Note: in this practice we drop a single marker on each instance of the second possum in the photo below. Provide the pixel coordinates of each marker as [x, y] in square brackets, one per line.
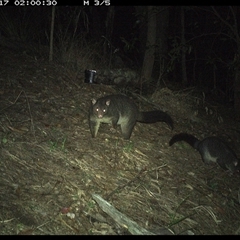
[211, 149]
[121, 110]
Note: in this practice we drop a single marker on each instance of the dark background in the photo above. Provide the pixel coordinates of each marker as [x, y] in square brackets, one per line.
[211, 45]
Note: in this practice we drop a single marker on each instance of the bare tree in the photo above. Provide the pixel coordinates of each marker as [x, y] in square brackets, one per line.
[162, 43]
[149, 57]
[183, 43]
[51, 35]
[109, 30]
[234, 35]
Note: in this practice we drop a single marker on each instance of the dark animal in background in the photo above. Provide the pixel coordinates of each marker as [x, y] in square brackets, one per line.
[212, 149]
[121, 110]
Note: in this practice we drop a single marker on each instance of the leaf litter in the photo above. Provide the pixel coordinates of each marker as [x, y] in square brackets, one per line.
[51, 167]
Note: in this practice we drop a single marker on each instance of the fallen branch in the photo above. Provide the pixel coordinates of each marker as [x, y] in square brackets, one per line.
[120, 218]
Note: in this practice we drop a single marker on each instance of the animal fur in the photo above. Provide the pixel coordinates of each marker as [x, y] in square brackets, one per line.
[212, 149]
[121, 110]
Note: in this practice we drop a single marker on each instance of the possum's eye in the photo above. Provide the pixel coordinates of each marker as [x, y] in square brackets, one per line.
[97, 109]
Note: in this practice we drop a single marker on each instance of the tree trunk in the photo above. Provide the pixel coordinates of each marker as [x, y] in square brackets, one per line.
[233, 27]
[109, 29]
[237, 93]
[51, 35]
[235, 11]
[183, 43]
[162, 43]
[149, 57]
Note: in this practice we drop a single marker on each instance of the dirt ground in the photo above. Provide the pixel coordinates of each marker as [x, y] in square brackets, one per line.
[51, 167]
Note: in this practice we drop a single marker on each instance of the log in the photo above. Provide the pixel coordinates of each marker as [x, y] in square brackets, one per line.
[120, 218]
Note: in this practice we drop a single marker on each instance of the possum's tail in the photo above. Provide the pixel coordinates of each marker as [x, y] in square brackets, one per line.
[155, 116]
[188, 138]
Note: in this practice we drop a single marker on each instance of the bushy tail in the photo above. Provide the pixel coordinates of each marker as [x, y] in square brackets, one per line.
[188, 138]
[155, 116]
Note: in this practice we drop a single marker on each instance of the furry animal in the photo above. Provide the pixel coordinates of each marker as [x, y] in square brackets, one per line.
[121, 110]
[212, 149]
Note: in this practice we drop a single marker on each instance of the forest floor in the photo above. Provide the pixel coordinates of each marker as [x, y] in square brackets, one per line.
[51, 167]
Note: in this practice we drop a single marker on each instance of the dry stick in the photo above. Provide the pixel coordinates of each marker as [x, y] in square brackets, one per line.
[126, 184]
[12, 103]
[29, 110]
[131, 181]
[120, 218]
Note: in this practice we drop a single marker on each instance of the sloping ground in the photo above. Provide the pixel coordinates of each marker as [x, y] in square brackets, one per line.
[50, 166]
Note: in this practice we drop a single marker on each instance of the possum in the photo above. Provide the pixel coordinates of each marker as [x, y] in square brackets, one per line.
[211, 149]
[121, 110]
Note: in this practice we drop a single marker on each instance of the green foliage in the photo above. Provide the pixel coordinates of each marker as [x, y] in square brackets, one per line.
[175, 218]
[128, 147]
[4, 140]
[20, 227]
[213, 185]
[55, 145]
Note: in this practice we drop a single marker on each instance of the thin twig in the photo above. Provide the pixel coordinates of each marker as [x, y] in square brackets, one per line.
[30, 113]
[126, 184]
[12, 103]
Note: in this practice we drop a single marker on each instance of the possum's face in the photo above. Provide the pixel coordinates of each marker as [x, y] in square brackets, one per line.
[100, 109]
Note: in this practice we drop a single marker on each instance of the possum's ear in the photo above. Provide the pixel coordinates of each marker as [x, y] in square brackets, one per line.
[108, 102]
[94, 101]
